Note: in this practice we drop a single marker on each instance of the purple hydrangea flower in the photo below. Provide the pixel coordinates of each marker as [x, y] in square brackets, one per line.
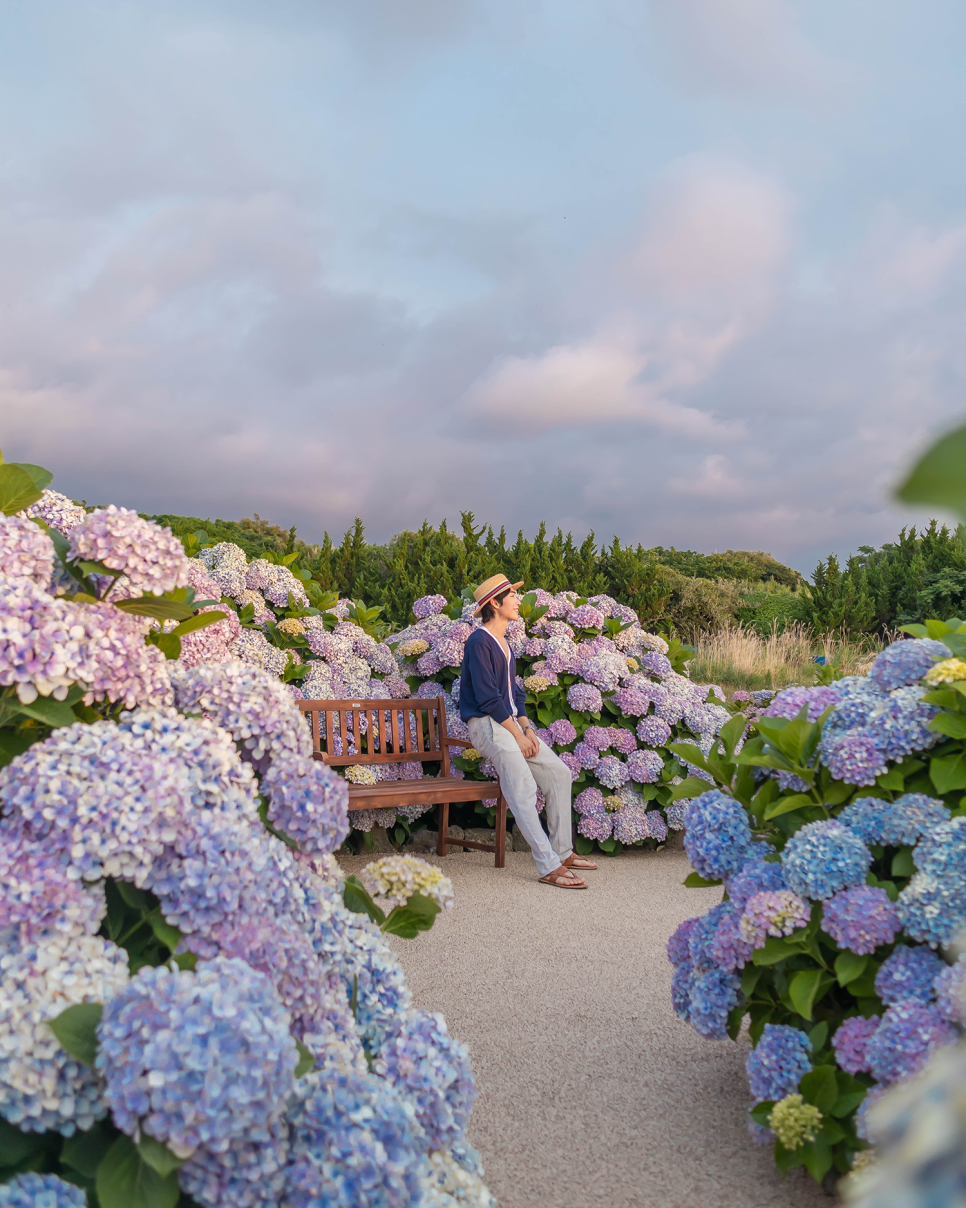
[950, 987]
[584, 698]
[598, 737]
[26, 552]
[432, 1070]
[861, 919]
[585, 617]
[906, 662]
[562, 732]
[908, 974]
[644, 767]
[853, 757]
[901, 1044]
[568, 759]
[717, 838]
[790, 702]
[631, 824]
[824, 857]
[596, 826]
[679, 945]
[778, 1062]
[196, 1058]
[586, 755]
[713, 994]
[150, 559]
[772, 912]
[622, 741]
[589, 801]
[611, 771]
[657, 824]
[632, 701]
[656, 663]
[729, 950]
[428, 606]
[56, 511]
[851, 1041]
[309, 802]
[653, 731]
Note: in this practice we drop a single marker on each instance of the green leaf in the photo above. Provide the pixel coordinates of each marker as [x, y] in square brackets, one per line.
[17, 1146]
[775, 950]
[136, 898]
[157, 607]
[749, 979]
[731, 733]
[75, 1028]
[893, 781]
[849, 966]
[125, 1180]
[306, 1059]
[201, 621]
[902, 863]
[158, 1156]
[691, 754]
[846, 1104]
[761, 1111]
[38, 475]
[169, 935]
[417, 915]
[819, 1088]
[953, 724]
[948, 772]
[938, 478]
[817, 1158]
[818, 1036]
[14, 743]
[694, 880]
[357, 899]
[168, 643]
[185, 961]
[55, 713]
[692, 787]
[17, 489]
[784, 805]
[804, 988]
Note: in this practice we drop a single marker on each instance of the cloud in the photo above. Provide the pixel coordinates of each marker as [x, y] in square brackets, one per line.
[749, 47]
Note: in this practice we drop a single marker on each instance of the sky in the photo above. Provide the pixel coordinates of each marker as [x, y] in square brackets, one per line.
[690, 272]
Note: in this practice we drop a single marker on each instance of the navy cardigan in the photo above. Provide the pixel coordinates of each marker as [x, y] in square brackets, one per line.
[483, 680]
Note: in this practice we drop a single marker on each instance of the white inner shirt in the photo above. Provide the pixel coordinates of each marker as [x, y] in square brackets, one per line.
[506, 655]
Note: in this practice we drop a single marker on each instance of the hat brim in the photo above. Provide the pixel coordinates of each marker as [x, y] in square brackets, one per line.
[509, 587]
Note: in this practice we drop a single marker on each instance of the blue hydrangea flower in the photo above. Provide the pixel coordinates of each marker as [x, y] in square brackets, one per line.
[717, 837]
[702, 937]
[896, 823]
[355, 1144]
[713, 994]
[900, 725]
[754, 877]
[789, 702]
[824, 857]
[196, 1058]
[902, 1042]
[679, 945]
[908, 973]
[681, 982]
[861, 919]
[729, 949]
[432, 1070]
[245, 1174]
[777, 1063]
[851, 1042]
[950, 987]
[41, 1191]
[932, 907]
[905, 662]
[309, 802]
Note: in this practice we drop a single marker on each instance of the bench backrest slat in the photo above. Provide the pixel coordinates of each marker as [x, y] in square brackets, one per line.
[391, 731]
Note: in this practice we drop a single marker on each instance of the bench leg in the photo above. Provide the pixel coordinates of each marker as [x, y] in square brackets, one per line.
[443, 828]
[499, 860]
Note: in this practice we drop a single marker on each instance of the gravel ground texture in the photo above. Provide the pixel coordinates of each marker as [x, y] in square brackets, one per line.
[591, 1091]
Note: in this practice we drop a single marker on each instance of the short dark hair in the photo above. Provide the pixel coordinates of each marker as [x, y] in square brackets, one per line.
[486, 612]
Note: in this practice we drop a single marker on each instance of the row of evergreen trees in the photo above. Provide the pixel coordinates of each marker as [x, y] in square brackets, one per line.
[440, 560]
[919, 575]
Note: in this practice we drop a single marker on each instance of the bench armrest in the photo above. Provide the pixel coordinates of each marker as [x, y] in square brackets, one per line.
[457, 742]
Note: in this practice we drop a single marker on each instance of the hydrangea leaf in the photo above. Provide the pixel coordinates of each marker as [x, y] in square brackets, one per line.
[76, 1029]
[357, 899]
[805, 988]
[38, 475]
[169, 935]
[306, 1059]
[951, 724]
[761, 1111]
[16, 1146]
[692, 787]
[937, 478]
[849, 966]
[417, 915]
[784, 805]
[948, 772]
[157, 607]
[158, 1156]
[775, 950]
[17, 489]
[694, 880]
[820, 1088]
[125, 1180]
[51, 712]
[902, 863]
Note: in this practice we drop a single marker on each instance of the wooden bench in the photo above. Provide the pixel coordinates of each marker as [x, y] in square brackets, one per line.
[401, 731]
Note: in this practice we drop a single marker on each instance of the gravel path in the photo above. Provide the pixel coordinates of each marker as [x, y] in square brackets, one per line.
[591, 1092]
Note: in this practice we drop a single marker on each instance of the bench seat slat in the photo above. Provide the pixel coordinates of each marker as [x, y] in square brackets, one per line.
[420, 792]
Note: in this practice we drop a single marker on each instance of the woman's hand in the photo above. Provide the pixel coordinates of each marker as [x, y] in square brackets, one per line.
[529, 744]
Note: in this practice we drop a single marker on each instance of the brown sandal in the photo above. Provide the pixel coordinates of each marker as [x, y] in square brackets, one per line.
[576, 861]
[563, 882]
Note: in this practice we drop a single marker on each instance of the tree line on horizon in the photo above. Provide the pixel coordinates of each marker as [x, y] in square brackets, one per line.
[875, 590]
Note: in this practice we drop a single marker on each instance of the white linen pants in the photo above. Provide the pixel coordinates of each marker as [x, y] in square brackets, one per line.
[519, 780]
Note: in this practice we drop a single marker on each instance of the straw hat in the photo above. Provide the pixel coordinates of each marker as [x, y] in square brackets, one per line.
[491, 587]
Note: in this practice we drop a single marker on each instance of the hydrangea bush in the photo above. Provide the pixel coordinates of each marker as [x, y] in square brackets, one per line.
[606, 695]
[194, 1008]
[839, 833]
